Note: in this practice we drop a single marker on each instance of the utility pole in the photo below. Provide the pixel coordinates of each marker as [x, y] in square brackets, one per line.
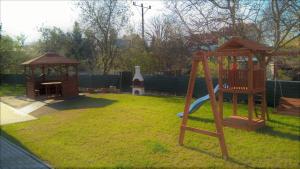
[147, 8]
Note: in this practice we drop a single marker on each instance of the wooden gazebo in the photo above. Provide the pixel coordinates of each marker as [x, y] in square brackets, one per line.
[51, 75]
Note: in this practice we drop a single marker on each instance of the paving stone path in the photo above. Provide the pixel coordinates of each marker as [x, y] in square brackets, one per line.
[14, 157]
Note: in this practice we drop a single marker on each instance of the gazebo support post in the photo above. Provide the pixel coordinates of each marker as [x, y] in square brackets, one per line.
[26, 78]
[43, 71]
[67, 71]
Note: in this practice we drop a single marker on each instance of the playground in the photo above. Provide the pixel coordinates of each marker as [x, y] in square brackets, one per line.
[130, 131]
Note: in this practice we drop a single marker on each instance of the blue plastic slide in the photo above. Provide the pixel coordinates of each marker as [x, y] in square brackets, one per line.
[198, 103]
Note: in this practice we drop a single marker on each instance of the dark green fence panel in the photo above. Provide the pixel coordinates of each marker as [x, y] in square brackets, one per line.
[99, 81]
[283, 89]
[182, 85]
[12, 78]
[161, 84]
[126, 81]
[176, 85]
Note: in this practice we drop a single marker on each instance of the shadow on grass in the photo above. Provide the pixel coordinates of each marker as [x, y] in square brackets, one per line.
[218, 156]
[205, 120]
[81, 102]
[285, 124]
[167, 98]
[267, 130]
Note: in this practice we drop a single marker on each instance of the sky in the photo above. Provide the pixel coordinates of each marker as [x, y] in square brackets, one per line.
[26, 16]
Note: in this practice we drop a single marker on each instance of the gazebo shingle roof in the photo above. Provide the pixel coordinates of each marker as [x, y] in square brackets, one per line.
[50, 58]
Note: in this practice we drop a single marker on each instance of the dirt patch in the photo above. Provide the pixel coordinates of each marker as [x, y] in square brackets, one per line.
[43, 111]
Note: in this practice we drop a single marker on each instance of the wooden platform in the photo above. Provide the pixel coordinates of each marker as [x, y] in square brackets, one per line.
[289, 106]
[243, 123]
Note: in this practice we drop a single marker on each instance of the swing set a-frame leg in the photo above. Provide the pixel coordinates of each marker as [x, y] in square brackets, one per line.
[218, 121]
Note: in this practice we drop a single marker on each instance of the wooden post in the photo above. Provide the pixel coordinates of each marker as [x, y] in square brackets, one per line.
[213, 104]
[26, 78]
[264, 107]
[33, 81]
[234, 95]
[43, 71]
[76, 76]
[220, 81]
[67, 72]
[188, 100]
[250, 88]
[234, 103]
[60, 73]
[32, 74]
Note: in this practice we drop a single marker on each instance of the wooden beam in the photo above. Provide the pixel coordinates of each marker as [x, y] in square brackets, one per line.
[218, 122]
[43, 72]
[238, 52]
[250, 88]
[220, 81]
[264, 107]
[188, 100]
[234, 103]
[32, 74]
[201, 131]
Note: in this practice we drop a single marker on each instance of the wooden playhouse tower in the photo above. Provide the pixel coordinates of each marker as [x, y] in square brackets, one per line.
[242, 71]
[246, 77]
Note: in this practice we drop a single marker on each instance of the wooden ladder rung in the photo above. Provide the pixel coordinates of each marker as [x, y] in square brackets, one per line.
[201, 131]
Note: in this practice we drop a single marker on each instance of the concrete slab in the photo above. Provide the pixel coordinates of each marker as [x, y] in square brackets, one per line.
[9, 115]
[16, 101]
[30, 108]
[14, 109]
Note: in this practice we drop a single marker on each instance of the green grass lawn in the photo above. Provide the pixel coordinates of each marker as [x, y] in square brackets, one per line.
[11, 90]
[121, 130]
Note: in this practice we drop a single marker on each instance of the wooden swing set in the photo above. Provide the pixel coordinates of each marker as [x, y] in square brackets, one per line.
[244, 73]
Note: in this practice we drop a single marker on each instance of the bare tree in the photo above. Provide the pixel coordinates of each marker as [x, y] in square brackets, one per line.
[217, 16]
[168, 44]
[104, 19]
[281, 19]
[274, 22]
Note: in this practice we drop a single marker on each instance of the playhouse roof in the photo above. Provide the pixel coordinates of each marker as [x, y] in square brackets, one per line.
[50, 58]
[239, 43]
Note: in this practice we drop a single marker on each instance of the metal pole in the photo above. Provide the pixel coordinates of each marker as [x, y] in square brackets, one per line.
[143, 12]
[143, 35]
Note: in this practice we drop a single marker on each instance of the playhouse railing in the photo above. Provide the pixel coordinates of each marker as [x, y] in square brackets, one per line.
[237, 80]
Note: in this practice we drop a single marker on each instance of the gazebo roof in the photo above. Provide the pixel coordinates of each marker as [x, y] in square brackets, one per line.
[239, 43]
[50, 58]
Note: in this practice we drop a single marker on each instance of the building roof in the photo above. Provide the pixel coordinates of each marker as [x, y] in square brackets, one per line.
[50, 58]
[239, 43]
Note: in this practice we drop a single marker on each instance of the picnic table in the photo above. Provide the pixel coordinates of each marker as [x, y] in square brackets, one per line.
[48, 85]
